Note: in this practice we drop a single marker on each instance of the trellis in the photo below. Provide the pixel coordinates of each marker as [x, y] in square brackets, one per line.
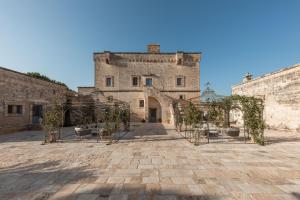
[195, 117]
[111, 115]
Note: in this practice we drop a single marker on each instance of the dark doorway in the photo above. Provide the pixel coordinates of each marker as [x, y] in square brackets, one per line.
[37, 114]
[152, 114]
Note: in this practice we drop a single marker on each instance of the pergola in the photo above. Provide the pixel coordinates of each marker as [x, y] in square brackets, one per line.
[86, 114]
[208, 119]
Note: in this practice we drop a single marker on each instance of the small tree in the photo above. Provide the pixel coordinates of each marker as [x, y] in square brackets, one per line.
[178, 116]
[192, 115]
[125, 117]
[53, 119]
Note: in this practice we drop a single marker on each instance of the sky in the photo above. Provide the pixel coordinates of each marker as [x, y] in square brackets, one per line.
[58, 37]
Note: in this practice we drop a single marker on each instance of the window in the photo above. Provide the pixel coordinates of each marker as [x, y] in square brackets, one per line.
[109, 81]
[10, 109]
[15, 109]
[180, 81]
[110, 98]
[135, 81]
[179, 61]
[19, 109]
[37, 113]
[148, 81]
[142, 103]
[181, 96]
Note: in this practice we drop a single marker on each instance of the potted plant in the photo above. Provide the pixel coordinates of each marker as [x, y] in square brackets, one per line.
[52, 122]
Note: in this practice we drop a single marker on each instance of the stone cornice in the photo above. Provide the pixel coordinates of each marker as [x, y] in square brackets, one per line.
[268, 76]
[109, 57]
[143, 91]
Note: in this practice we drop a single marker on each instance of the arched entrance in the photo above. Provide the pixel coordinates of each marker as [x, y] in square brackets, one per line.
[154, 110]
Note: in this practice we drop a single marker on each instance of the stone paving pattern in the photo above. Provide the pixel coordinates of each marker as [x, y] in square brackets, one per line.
[151, 162]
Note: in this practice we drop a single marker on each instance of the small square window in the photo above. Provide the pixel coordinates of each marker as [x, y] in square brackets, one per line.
[135, 81]
[180, 81]
[110, 98]
[19, 109]
[142, 103]
[148, 81]
[181, 96]
[10, 109]
[109, 81]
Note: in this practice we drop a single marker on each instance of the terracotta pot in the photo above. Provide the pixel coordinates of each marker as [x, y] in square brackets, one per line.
[52, 136]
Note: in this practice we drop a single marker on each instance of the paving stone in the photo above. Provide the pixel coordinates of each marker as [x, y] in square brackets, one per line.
[115, 180]
[87, 197]
[86, 188]
[147, 180]
[153, 166]
[118, 197]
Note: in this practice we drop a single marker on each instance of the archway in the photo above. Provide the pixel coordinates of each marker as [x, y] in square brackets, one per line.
[154, 110]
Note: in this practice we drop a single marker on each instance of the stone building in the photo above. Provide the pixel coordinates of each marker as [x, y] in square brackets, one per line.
[22, 98]
[281, 93]
[148, 81]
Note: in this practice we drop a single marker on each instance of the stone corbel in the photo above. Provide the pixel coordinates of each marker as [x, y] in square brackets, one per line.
[197, 58]
[179, 58]
[107, 56]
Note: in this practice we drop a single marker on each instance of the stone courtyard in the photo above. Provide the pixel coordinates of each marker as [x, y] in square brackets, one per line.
[152, 161]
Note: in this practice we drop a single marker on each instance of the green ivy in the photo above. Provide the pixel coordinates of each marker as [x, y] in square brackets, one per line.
[252, 109]
[45, 78]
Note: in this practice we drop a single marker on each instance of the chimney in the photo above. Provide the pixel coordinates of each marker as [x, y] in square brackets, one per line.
[248, 77]
[153, 48]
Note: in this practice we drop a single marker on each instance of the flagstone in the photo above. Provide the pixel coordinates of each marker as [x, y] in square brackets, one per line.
[115, 180]
[147, 180]
[87, 197]
[147, 168]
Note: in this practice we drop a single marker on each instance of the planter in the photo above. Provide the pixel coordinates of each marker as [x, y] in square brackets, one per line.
[233, 131]
[105, 134]
[82, 131]
[52, 136]
[252, 139]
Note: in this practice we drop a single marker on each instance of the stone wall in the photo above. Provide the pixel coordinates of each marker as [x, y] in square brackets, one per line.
[163, 68]
[281, 91]
[20, 89]
[86, 90]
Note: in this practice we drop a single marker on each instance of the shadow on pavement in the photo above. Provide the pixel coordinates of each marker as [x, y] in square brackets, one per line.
[37, 181]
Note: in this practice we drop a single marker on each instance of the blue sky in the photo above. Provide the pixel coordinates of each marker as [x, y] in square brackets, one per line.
[58, 37]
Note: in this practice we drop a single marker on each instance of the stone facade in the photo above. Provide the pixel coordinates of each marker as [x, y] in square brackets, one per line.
[148, 81]
[281, 93]
[22, 98]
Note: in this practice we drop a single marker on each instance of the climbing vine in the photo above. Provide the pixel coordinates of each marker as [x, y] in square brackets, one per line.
[218, 112]
[252, 109]
[192, 114]
[178, 118]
